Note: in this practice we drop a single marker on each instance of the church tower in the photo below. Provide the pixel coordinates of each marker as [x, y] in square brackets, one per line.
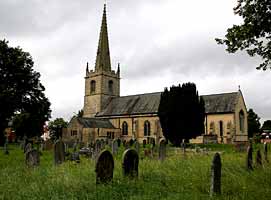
[102, 83]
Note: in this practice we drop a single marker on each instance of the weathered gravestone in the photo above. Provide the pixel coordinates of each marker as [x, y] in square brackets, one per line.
[74, 146]
[259, 158]
[131, 142]
[59, 152]
[137, 147]
[32, 158]
[104, 167]
[265, 152]
[162, 149]
[48, 145]
[216, 175]
[144, 143]
[249, 160]
[115, 147]
[28, 147]
[102, 144]
[130, 161]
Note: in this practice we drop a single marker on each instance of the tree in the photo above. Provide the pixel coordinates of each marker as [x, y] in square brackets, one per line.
[266, 125]
[253, 123]
[181, 112]
[55, 128]
[254, 34]
[21, 90]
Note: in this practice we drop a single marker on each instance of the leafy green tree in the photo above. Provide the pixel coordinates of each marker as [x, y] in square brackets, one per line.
[181, 113]
[254, 34]
[21, 90]
[55, 128]
[266, 125]
[254, 124]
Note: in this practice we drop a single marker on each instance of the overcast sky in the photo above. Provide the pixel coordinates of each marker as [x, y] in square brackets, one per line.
[157, 42]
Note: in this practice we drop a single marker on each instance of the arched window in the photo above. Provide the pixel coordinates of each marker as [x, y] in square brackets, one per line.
[147, 128]
[92, 86]
[241, 120]
[124, 128]
[110, 87]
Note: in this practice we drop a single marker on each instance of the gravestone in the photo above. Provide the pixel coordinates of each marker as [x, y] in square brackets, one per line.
[127, 145]
[137, 147]
[162, 149]
[216, 175]
[130, 161]
[75, 157]
[144, 143]
[32, 158]
[6, 148]
[28, 147]
[259, 158]
[104, 167]
[131, 142]
[249, 163]
[48, 145]
[59, 152]
[102, 144]
[74, 146]
[98, 147]
[265, 152]
[124, 143]
[42, 146]
[115, 147]
[119, 142]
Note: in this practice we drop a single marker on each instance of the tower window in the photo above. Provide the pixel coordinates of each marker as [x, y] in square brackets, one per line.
[147, 128]
[92, 86]
[124, 128]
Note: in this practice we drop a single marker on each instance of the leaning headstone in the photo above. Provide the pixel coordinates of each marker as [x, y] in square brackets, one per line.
[216, 175]
[144, 143]
[104, 167]
[259, 158]
[28, 147]
[115, 147]
[130, 161]
[249, 163]
[162, 149]
[265, 152]
[137, 147]
[59, 152]
[32, 158]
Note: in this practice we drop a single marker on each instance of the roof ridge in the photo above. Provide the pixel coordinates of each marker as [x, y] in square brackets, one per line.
[217, 94]
[139, 94]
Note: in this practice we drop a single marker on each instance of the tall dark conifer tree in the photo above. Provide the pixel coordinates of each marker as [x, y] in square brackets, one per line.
[181, 112]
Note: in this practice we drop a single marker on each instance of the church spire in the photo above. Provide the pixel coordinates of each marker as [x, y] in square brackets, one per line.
[103, 62]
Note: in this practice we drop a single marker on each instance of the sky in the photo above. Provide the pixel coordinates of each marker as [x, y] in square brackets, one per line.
[158, 43]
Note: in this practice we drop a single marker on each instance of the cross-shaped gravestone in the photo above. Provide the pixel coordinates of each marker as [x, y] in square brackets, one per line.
[115, 147]
[32, 158]
[162, 149]
[59, 152]
[104, 167]
[130, 161]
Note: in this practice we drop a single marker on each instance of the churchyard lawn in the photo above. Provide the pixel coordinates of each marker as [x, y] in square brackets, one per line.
[178, 177]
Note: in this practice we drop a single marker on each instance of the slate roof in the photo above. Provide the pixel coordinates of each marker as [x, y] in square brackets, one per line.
[132, 105]
[149, 103]
[95, 123]
[220, 103]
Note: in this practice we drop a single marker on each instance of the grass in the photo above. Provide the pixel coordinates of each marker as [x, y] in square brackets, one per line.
[179, 177]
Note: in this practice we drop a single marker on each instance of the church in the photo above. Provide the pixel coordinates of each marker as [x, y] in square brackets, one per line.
[107, 115]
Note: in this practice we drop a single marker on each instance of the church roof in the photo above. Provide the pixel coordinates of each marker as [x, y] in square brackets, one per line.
[94, 123]
[220, 103]
[149, 103]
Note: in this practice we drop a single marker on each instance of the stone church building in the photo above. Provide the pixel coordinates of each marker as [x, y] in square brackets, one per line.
[107, 115]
